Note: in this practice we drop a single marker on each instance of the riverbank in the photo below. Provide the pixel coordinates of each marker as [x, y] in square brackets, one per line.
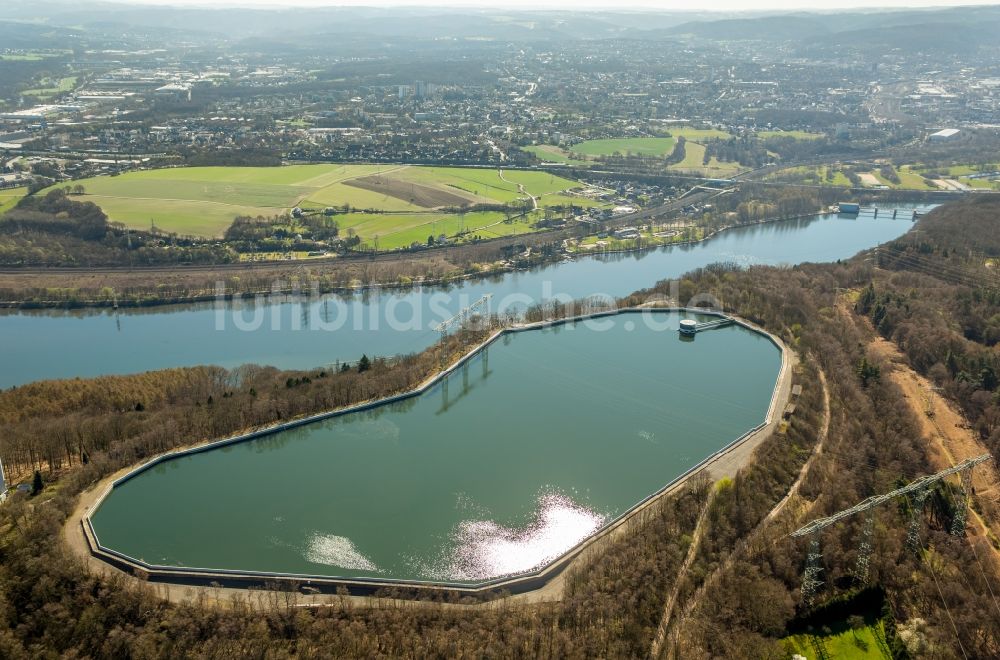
[723, 462]
[162, 286]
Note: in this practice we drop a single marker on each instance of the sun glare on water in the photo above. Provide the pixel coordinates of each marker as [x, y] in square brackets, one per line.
[338, 551]
[483, 549]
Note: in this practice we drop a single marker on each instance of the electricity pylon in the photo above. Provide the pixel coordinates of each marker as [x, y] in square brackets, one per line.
[920, 488]
[460, 319]
[861, 569]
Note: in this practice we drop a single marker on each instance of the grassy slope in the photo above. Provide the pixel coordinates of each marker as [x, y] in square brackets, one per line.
[9, 197]
[839, 178]
[842, 643]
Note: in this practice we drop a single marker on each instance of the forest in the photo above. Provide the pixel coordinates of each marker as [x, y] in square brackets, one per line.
[709, 572]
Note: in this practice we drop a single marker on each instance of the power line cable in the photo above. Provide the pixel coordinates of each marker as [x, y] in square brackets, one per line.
[989, 584]
[947, 609]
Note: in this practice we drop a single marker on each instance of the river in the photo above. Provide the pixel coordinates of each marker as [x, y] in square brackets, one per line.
[304, 333]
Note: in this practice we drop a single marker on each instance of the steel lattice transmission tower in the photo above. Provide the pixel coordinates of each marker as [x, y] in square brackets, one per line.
[958, 522]
[916, 519]
[920, 488]
[861, 569]
[464, 315]
[810, 581]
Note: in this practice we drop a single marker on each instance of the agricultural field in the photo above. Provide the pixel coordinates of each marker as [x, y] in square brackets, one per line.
[9, 197]
[399, 204]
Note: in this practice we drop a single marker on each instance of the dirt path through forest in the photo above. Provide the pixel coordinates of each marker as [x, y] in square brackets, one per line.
[951, 440]
[699, 532]
[657, 649]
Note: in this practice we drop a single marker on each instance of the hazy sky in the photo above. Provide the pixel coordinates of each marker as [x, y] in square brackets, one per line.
[666, 5]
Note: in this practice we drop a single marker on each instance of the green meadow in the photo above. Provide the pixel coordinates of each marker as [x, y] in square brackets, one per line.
[842, 642]
[660, 147]
[639, 146]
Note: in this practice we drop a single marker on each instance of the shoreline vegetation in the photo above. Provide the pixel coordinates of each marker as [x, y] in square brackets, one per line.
[110, 297]
[736, 572]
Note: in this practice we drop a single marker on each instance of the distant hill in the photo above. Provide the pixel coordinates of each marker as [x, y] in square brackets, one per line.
[16, 34]
[784, 27]
[896, 26]
[399, 22]
[964, 38]
[42, 22]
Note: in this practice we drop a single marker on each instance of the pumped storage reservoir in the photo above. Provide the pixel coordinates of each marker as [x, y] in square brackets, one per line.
[528, 449]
